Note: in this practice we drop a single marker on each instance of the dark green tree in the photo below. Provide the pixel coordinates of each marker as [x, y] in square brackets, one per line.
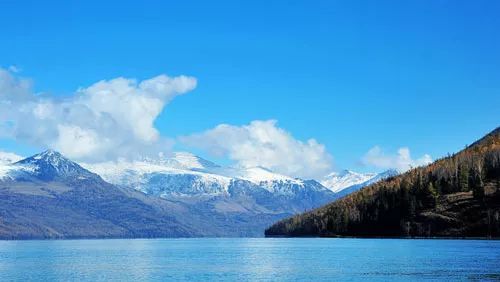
[476, 183]
[463, 179]
[431, 194]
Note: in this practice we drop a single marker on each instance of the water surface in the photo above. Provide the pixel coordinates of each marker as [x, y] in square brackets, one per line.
[245, 259]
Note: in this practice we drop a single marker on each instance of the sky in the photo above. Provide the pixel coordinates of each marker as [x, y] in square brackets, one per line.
[299, 87]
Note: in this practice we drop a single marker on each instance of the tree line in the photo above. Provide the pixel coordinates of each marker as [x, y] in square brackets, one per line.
[458, 195]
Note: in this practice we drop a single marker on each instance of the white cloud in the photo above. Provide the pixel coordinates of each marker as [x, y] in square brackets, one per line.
[401, 160]
[262, 143]
[80, 142]
[109, 119]
[135, 106]
[7, 158]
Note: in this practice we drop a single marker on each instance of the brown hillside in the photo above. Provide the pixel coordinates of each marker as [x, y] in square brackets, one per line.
[457, 196]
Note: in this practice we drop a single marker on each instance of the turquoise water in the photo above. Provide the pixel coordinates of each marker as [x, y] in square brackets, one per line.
[250, 260]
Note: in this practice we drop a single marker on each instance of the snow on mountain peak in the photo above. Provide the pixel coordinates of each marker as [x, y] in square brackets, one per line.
[384, 175]
[391, 172]
[181, 173]
[179, 160]
[337, 181]
[192, 161]
[50, 156]
[183, 168]
[50, 165]
[178, 170]
[258, 175]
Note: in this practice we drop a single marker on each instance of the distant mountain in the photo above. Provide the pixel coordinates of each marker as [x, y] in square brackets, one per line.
[346, 181]
[456, 196]
[376, 178]
[337, 181]
[51, 166]
[183, 174]
[49, 196]
[222, 190]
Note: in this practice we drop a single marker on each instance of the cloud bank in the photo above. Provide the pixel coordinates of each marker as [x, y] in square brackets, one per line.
[109, 119]
[263, 143]
[8, 158]
[114, 119]
[401, 160]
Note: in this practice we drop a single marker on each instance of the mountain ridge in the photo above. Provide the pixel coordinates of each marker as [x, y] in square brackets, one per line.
[456, 196]
[49, 196]
[181, 196]
[114, 172]
[48, 201]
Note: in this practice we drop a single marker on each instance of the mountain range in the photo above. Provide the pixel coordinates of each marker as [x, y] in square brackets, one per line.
[186, 174]
[50, 196]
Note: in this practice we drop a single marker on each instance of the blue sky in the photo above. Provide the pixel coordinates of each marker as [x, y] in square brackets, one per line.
[352, 75]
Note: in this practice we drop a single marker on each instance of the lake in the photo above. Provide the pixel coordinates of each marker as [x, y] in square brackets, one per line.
[255, 259]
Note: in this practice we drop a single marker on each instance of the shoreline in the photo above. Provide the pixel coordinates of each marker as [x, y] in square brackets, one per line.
[392, 237]
[264, 237]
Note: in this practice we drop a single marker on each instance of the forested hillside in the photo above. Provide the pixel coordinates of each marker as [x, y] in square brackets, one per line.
[456, 196]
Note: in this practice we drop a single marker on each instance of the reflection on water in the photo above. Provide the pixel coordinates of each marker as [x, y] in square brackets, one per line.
[249, 259]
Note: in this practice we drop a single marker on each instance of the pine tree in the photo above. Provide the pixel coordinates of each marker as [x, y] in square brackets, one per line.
[476, 184]
[431, 194]
[463, 179]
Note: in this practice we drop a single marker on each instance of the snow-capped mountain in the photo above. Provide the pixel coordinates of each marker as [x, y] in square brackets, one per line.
[181, 174]
[187, 174]
[49, 196]
[184, 174]
[46, 166]
[178, 160]
[383, 175]
[181, 188]
[337, 181]
[273, 182]
[352, 177]
[350, 180]
[51, 165]
[215, 189]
